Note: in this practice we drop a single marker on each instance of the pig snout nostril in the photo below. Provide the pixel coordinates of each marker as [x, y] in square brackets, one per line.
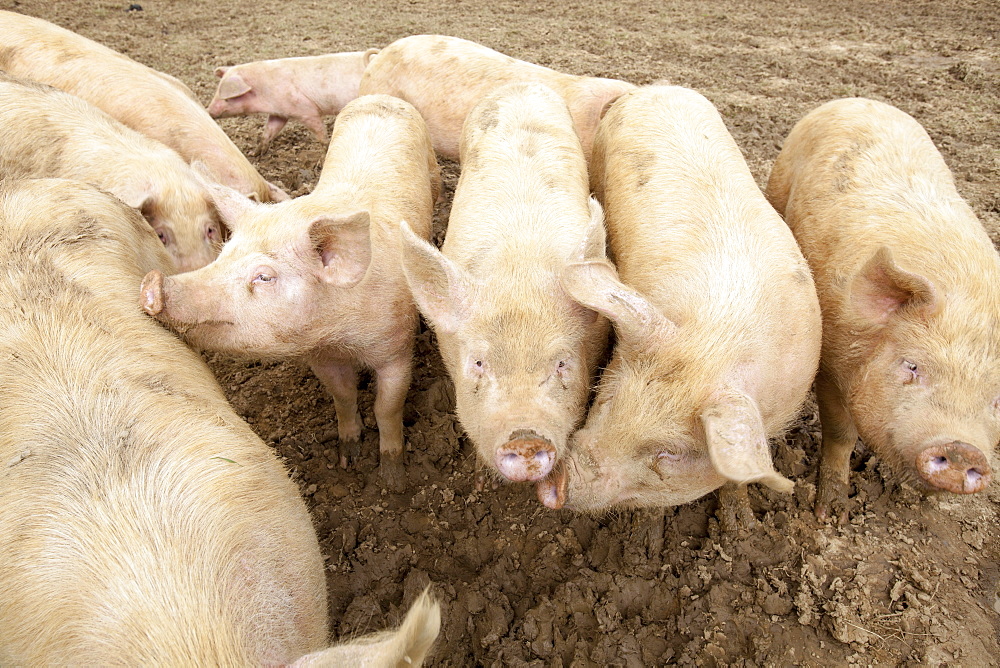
[529, 458]
[954, 467]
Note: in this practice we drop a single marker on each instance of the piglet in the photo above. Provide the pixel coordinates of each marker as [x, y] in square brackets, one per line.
[907, 278]
[319, 277]
[304, 89]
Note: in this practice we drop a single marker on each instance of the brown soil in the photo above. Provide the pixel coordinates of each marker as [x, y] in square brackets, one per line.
[907, 581]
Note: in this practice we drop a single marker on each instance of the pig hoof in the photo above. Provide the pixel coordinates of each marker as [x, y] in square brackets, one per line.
[393, 474]
[831, 501]
[954, 467]
[527, 457]
[349, 450]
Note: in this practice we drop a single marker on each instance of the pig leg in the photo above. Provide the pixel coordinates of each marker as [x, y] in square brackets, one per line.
[341, 381]
[735, 514]
[839, 438]
[392, 383]
[316, 125]
[274, 125]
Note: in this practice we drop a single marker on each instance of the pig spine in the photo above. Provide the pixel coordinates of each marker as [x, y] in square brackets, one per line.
[151, 102]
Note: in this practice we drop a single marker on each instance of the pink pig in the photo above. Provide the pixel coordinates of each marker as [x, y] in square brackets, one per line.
[305, 89]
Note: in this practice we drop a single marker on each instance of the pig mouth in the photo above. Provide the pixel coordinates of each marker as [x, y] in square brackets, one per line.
[552, 489]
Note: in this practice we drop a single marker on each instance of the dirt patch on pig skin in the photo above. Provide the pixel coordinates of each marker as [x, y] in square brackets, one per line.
[905, 581]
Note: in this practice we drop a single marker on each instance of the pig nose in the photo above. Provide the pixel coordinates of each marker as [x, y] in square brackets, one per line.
[151, 293]
[955, 467]
[525, 456]
[551, 490]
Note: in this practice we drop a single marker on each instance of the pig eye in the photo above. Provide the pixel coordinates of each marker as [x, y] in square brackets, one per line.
[263, 277]
[910, 372]
[162, 235]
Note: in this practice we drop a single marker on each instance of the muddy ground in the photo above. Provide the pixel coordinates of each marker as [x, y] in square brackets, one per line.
[907, 581]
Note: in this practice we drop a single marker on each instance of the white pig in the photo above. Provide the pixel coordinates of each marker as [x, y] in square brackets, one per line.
[907, 278]
[520, 352]
[306, 89]
[153, 103]
[319, 277]
[45, 132]
[445, 77]
[717, 322]
[141, 520]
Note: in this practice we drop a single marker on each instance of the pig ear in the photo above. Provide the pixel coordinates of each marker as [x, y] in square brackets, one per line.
[595, 284]
[881, 289]
[219, 71]
[138, 195]
[442, 291]
[232, 205]
[233, 86]
[593, 246]
[344, 246]
[737, 442]
[277, 194]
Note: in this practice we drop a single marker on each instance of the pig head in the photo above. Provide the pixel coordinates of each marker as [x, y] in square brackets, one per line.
[261, 295]
[669, 423]
[924, 393]
[520, 352]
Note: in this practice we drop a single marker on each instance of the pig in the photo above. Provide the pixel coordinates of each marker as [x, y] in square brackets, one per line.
[715, 313]
[907, 281]
[520, 352]
[141, 520]
[45, 132]
[445, 77]
[153, 103]
[305, 89]
[319, 277]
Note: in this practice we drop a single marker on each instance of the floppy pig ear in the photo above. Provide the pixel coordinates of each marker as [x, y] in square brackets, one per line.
[344, 246]
[593, 246]
[233, 86]
[881, 289]
[219, 71]
[442, 291]
[595, 284]
[737, 442]
[140, 196]
[231, 205]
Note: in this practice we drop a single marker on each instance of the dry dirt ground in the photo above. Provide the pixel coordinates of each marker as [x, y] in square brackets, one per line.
[907, 581]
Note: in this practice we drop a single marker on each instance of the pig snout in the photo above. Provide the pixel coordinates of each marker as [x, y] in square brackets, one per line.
[552, 489]
[525, 456]
[151, 293]
[954, 467]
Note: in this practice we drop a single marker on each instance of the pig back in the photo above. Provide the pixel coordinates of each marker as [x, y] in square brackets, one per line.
[151, 102]
[689, 228]
[856, 174]
[380, 158]
[523, 189]
[141, 521]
